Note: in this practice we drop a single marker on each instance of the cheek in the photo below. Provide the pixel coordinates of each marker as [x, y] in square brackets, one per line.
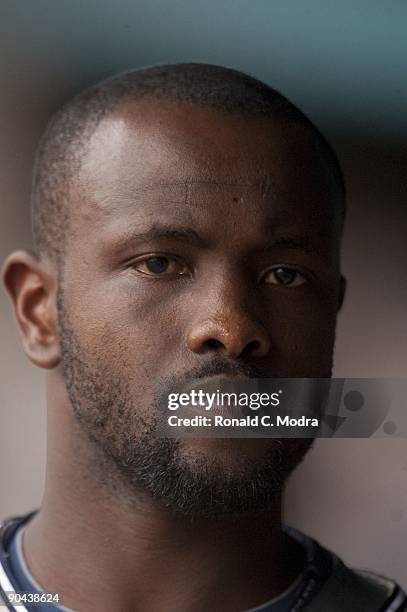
[303, 334]
[126, 327]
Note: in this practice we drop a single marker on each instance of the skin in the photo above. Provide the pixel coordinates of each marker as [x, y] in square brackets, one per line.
[244, 195]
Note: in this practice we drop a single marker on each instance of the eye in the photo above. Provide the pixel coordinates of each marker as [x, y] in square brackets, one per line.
[283, 275]
[160, 265]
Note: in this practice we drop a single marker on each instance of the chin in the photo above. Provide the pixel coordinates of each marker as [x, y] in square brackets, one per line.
[230, 452]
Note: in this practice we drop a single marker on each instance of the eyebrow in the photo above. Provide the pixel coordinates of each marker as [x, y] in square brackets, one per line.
[273, 239]
[162, 231]
[299, 243]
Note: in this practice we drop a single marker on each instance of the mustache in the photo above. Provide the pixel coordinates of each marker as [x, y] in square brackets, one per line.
[220, 367]
[214, 367]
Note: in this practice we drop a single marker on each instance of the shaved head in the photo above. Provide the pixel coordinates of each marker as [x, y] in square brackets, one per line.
[66, 138]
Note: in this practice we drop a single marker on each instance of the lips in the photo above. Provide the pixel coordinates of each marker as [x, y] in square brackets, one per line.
[217, 395]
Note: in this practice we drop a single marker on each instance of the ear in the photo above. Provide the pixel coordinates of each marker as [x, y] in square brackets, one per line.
[31, 286]
[342, 292]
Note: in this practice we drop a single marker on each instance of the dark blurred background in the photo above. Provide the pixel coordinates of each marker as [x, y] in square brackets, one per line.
[345, 64]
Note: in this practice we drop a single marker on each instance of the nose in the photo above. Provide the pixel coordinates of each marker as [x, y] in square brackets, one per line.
[230, 330]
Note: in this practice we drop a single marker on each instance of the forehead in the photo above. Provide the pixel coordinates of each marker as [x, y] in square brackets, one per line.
[160, 160]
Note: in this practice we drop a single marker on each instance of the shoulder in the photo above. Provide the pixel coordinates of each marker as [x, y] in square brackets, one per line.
[343, 589]
[358, 590]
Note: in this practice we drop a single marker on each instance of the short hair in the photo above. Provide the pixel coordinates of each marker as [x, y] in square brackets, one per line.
[215, 87]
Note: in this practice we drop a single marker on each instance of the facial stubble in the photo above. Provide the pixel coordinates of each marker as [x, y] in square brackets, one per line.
[128, 449]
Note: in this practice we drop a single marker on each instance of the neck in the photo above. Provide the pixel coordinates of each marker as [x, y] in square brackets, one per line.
[101, 553]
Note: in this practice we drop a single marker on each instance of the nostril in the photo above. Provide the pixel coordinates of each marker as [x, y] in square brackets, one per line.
[251, 348]
[213, 344]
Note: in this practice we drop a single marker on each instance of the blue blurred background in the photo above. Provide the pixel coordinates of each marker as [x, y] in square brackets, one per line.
[345, 64]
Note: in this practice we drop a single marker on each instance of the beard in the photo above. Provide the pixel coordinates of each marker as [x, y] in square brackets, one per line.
[128, 449]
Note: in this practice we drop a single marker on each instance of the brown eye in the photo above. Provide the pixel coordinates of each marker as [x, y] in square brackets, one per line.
[160, 265]
[288, 277]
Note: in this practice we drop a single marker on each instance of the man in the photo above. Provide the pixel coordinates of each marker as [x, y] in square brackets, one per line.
[187, 222]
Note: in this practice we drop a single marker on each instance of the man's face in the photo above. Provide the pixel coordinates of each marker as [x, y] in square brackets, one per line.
[200, 244]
